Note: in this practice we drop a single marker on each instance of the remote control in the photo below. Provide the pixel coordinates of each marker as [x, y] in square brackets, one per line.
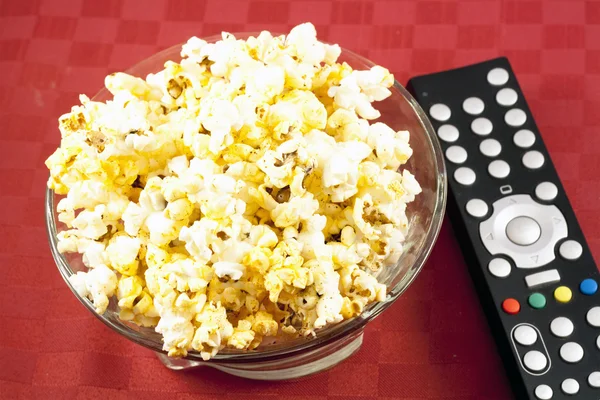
[526, 253]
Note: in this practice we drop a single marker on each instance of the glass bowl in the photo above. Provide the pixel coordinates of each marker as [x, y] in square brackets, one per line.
[303, 356]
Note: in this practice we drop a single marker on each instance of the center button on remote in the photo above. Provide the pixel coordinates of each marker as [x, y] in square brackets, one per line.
[523, 231]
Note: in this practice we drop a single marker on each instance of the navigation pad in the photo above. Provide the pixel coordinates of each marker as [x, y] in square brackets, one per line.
[524, 230]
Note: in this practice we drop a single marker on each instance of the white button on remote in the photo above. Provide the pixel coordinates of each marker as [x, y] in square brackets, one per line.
[515, 117]
[523, 231]
[594, 379]
[499, 169]
[477, 208]
[490, 147]
[499, 267]
[570, 386]
[571, 352]
[570, 249]
[561, 327]
[543, 392]
[535, 361]
[456, 154]
[473, 106]
[598, 342]
[506, 97]
[448, 133]
[533, 159]
[525, 335]
[593, 317]
[441, 112]
[482, 126]
[542, 278]
[464, 176]
[497, 76]
[546, 191]
[524, 138]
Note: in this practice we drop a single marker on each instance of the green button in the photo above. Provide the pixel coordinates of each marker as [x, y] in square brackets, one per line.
[537, 300]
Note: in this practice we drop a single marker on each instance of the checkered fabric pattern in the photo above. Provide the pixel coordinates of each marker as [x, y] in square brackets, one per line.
[433, 343]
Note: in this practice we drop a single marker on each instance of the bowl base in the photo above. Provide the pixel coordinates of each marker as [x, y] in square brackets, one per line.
[294, 367]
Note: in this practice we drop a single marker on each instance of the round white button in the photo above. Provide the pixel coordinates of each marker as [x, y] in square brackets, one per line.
[439, 111]
[464, 176]
[481, 126]
[598, 342]
[515, 117]
[546, 191]
[570, 249]
[456, 154]
[543, 392]
[524, 138]
[525, 335]
[594, 379]
[570, 386]
[593, 317]
[506, 97]
[499, 169]
[523, 231]
[533, 159]
[499, 267]
[448, 133]
[477, 208]
[535, 360]
[497, 76]
[490, 147]
[473, 105]
[561, 327]
[571, 352]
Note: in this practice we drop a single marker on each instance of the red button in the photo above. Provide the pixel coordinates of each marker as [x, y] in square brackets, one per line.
[511, 306]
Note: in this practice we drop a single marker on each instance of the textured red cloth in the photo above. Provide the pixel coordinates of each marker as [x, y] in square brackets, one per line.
[433, 343]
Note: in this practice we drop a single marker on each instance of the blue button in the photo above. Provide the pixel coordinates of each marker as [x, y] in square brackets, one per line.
[588, 286]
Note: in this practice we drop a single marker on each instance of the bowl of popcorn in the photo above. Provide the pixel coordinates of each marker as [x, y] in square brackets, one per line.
[248, 202]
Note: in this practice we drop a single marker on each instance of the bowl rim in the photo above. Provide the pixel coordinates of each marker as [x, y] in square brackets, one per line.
[336, 331]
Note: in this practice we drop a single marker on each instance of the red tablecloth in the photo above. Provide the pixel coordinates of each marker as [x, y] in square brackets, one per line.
[433, 343]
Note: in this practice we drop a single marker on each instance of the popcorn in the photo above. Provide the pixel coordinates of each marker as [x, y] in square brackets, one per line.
[177, 332]
[267, 82]
[243, 192]
[264, 324]
[90, 224]
[330, 303]
[242, 336]
[213, 331]
[298, 110]
[312, 237]
[143, 312]
[122, 253]
[98, 284]
[290, 213]
[392, 148]
[263, 236]
[303, 42]
[219, 117]
[231, 269]
[358, 90]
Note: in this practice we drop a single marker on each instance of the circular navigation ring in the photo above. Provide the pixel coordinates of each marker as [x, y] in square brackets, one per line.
[552, 224]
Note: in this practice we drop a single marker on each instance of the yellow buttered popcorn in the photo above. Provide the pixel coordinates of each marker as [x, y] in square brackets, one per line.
[245, 191]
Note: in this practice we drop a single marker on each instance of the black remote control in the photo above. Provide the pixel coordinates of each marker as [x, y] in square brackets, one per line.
[527, 255]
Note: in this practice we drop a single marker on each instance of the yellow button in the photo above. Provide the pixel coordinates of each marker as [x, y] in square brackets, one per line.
[563, 294]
